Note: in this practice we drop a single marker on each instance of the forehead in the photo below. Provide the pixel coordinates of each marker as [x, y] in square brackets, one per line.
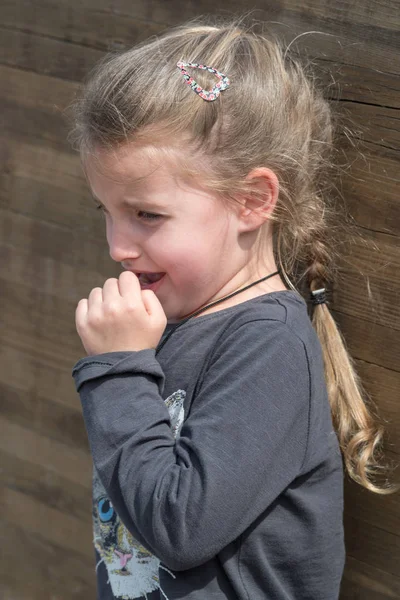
[150, 179]
[136, 169]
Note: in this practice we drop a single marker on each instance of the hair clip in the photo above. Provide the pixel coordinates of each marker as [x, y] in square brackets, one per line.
[208, 95]
[318, 296]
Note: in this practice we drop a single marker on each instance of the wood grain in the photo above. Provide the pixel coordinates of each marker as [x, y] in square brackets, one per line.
[369, 341]
[383, 387]
[73, 464]
[382, 512]
[33, 567]
[361, 581]
[61, 529]
[368, 544]
[28, 373]
[53, 252]
[46, 486]
[44, 417]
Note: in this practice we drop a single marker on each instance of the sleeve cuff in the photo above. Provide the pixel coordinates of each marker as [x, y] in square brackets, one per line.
[115, 363]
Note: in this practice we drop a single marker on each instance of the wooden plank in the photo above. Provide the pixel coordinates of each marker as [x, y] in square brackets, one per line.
[72, 464]
[370, 545]
[362, 189]
[45, 417]
[49, 571]
[50, 524]
[369, 341]
[46, 486]
[375, 253]
[383, 387]
[45, 92]
[334, 14]
[340, 42]
[33, 374]
[42, 239]
[38, 180]
[25, 325]
[382, 512]
[356, 83]
[377, 127]
[56, 279]
[369, 298]
[95, 26]
[24, 156]
[74, 24]
[362, 581]
[46, 55]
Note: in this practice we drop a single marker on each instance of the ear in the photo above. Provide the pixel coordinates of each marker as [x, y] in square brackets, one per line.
[256, 209]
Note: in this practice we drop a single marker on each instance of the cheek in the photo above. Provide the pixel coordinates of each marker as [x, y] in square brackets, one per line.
[184, 255]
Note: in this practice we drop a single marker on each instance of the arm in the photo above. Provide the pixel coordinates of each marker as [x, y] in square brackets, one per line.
[242, 444]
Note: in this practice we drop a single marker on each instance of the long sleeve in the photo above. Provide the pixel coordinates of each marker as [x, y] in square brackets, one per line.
[243, 442]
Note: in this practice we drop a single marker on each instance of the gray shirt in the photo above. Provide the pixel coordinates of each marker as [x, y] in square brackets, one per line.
[217, 472]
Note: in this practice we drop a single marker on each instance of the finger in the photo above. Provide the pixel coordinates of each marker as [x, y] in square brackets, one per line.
[152, 304]
[80, 313]
[129, 286]
[111, 290]
[95, 297]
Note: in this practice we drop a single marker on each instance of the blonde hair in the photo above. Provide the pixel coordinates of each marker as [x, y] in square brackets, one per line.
[273, 114]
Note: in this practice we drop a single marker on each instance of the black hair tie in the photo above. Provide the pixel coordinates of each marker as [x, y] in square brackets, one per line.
[318, 296]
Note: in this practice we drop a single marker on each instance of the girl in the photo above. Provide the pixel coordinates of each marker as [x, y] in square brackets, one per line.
[217, 471]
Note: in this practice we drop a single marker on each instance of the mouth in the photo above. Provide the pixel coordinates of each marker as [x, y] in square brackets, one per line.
[149, 281]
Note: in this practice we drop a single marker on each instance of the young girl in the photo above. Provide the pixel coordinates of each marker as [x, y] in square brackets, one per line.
[217, 471]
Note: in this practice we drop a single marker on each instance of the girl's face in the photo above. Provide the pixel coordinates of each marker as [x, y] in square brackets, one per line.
[162, 227]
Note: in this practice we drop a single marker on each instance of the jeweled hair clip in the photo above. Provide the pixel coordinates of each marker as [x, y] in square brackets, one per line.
[208, 95]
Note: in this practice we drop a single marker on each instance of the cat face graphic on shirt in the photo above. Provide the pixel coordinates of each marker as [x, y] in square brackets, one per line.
[132, 569]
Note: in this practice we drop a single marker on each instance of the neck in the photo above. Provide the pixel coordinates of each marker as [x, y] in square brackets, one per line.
[241, 289]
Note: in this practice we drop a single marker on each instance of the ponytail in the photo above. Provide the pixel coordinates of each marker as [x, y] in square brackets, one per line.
[358, 430]
[354, 415]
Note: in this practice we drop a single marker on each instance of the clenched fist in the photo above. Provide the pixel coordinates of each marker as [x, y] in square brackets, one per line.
[120, 316]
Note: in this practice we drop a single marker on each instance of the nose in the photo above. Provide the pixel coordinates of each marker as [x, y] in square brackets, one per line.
[121, 245]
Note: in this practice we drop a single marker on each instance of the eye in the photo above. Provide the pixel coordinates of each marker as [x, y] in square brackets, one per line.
[144, 216]
[105, 509]
[147, 216]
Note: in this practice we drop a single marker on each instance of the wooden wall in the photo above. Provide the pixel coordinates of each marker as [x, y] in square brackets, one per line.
[53, 251]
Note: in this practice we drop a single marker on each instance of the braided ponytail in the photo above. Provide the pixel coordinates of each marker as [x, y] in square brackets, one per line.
[359, 431]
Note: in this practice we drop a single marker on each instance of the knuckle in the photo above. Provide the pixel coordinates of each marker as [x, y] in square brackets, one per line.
[131, 306]
[94, 319]
[111, 308]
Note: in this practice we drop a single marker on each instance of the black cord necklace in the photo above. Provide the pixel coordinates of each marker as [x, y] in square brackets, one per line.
[200, 310]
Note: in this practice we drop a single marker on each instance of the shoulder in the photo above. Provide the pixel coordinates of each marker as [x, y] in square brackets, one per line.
[279, 315]
[267, 332]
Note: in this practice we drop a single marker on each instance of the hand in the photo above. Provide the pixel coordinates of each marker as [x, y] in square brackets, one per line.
[120, 317]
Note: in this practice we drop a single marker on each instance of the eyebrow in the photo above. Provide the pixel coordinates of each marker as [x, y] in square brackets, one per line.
[126, 204]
